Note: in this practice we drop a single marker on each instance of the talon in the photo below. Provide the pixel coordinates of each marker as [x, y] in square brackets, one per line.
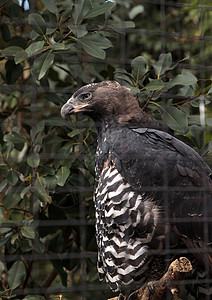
[150, 286]
[133, 296]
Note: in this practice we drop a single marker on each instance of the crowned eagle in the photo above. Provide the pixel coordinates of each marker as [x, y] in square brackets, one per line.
[153, 193]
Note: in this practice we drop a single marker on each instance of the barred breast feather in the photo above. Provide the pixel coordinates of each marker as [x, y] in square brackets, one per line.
[127, 224]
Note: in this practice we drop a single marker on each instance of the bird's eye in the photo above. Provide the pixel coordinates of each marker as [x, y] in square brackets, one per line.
[86, 96]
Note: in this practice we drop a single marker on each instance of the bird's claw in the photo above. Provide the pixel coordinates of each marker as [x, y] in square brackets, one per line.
[133, 296]
[150, 286]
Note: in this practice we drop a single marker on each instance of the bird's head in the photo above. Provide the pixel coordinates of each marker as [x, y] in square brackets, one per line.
[107, 100]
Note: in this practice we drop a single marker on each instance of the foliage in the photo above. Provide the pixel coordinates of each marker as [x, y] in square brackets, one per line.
[47, 163]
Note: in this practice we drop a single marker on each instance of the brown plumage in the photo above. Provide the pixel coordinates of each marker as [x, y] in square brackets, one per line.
[111, 99]
[153, 193]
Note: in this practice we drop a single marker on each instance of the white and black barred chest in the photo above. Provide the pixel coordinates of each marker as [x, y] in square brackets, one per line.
[126, 227]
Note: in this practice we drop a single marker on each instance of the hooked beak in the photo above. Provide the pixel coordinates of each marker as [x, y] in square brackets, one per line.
[68, 109]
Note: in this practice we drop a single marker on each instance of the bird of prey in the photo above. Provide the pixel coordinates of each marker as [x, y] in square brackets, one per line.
[153, 193]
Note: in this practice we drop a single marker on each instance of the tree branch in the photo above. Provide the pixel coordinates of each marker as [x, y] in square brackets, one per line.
[168, 284]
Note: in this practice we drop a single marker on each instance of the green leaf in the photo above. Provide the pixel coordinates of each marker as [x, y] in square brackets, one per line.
[99, 10]
[1, 214]
[14, 238]
[16, 274]
[186, 91]
[2, 268]
[128, 24]
[50, 5]
[3, 184]
[13, 71]
[28, 232]
[134, 90]
[155, 84]
[139, 67]
[175, 65]
[198, 135]
[182, 79]
[35, 48]
[58, 47]
[12, 177]
[78, 30]
[5, 32]
[120, 26]
[123, 79]
[20, 56]
[197, 102]
[40, 190]
[51, 182]
[37, 23]
[8, 225]
[33, 160]
[67, 13]
[5, 240]
[17, 216]
[11, 51]
[26, 245]
[75, 132]
[25, 191]
[44, 62]
[175, 119]
[57, 121]
[14, 137]
[92, 50]
[81, 8]
[12, 197]
[163, 64]
[38, 246]
[62, 175]
[48, 170]
[136, 10]
[34, 35]
[94, 43]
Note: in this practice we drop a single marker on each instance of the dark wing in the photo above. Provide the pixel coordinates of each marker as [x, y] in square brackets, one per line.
[160, 166]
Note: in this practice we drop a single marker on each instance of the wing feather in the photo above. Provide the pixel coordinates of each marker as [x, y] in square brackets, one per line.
[157, 165]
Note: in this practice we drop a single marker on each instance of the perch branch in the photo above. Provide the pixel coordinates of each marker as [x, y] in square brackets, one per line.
[168, 284]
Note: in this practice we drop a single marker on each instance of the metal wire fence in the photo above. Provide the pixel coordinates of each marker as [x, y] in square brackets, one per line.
[70, 255]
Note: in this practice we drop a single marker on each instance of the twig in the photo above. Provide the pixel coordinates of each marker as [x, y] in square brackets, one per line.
[22, 5]
[50, 278]
[65, 36]
[147, 101]
[187, 99]
[17, 209]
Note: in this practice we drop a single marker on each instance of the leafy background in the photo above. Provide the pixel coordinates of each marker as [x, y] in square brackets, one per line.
[49, 48]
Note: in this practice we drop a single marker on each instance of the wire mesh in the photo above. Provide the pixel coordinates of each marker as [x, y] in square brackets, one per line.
[167, 33]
